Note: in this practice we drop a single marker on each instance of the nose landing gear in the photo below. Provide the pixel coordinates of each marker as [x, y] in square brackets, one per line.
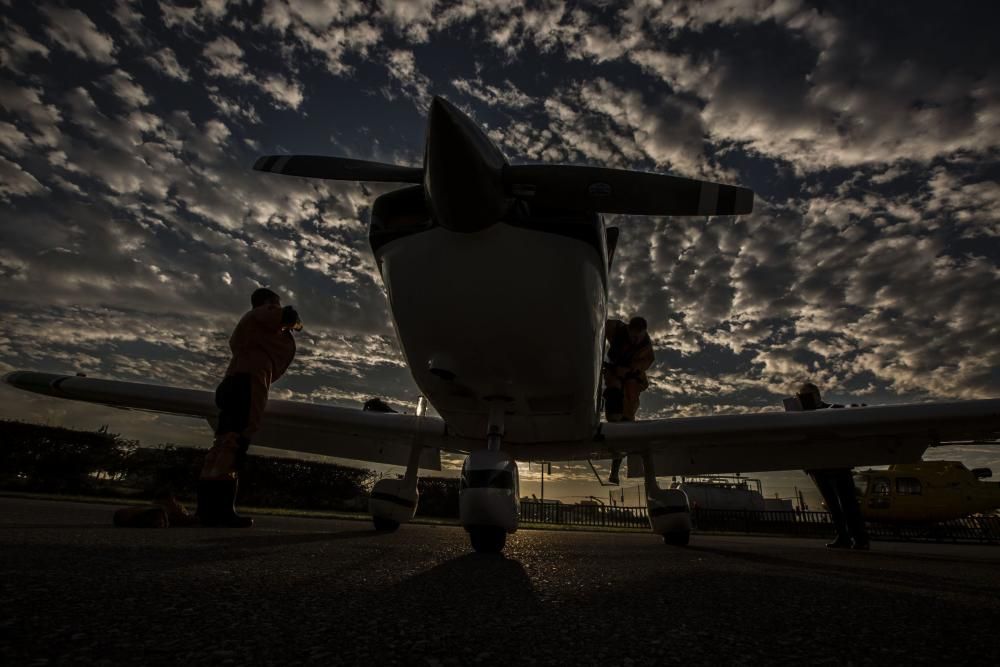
[489, 491]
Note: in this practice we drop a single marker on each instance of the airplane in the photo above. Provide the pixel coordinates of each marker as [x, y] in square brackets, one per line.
[497, 280]
[925, 492]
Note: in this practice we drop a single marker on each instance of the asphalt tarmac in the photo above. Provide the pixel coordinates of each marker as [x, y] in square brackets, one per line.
[73, 589]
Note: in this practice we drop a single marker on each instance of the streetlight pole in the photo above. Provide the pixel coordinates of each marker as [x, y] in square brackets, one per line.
[542, 466]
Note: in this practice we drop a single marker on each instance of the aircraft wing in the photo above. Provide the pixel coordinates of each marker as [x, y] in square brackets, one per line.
[831, 438]
[376, 437]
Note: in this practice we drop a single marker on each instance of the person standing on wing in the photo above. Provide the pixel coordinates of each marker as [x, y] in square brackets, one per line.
[836, 485]
[263, 347]
[630, 354]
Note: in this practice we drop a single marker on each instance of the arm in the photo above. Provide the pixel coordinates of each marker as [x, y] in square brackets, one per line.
[267, 317]
[643, 359]
[283, 354]
[611, 329]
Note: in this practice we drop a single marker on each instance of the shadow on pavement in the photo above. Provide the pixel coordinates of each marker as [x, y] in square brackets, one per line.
[488, 585]
[248, 539]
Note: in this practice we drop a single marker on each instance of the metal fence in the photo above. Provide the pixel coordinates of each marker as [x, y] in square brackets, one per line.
[982, 529]
[584, 515]
[985, 530]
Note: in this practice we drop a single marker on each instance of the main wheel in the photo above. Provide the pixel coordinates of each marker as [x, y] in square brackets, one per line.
[677, 538]
[487, 539]
[385, 525]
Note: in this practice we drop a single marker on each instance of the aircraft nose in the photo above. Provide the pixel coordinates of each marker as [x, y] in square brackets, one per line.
[463, 171]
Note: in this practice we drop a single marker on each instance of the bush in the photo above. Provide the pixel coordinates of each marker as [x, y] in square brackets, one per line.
[59, 460]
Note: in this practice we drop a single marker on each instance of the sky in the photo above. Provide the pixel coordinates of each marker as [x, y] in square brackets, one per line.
[132, 229]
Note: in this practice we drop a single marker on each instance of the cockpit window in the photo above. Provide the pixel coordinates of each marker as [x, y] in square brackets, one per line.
[861, 484]
[881, 486]
[908, 486]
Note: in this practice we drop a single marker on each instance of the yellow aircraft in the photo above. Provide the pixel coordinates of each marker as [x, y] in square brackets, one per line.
[927, 491]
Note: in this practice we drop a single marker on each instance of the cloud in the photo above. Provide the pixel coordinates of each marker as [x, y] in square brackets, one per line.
[333, 30]
[41, 120]
[12, 139]
[165, 62]
[126, 89]
[225, 59]
[15, 181]
[16, 47]
[402, 66]
[284, 92]
[412, 19]
[74, 31]
[128, 14]
[506, 95]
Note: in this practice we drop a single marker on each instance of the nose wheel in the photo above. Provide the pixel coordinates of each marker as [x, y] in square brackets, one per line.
[488, 491]
[385, 525]
[487, 539]
[679, 538]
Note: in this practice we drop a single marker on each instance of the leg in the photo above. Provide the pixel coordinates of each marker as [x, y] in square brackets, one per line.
[613, 396]
[616, 466]
[631, 389]
[218, 484]
[824, 480]
[628, 394]
[853, 519]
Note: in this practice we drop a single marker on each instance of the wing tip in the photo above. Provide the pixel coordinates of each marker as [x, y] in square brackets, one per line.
[34, 381]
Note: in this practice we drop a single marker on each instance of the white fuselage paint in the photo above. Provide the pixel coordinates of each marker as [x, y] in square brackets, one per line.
[516, 314]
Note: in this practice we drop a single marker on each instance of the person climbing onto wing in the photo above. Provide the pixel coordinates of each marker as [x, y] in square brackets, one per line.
[629, 356]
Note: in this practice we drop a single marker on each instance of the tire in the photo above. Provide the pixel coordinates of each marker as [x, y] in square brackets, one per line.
[678, 538]
[487, 539]
[385, 525]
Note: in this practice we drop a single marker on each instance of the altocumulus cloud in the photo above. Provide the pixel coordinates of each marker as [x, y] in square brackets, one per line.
[133, 229]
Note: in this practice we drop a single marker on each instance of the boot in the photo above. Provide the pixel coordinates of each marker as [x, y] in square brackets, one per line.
[216, 504]
[220, 460]
[616, 465]
[842, 542]
[176, 512]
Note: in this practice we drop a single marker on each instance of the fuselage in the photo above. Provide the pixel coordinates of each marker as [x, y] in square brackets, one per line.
[513, 313]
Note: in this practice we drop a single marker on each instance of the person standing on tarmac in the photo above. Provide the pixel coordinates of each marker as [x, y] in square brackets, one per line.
[263, 347]
[836, 485]
[630, 354]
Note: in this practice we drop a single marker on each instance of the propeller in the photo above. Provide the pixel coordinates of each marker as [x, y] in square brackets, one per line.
[469, 185]
[337, 168]
[622, 191]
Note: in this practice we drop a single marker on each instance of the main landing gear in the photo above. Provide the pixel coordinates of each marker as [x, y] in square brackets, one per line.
[394, 501]
[488, 494]
[669, 512]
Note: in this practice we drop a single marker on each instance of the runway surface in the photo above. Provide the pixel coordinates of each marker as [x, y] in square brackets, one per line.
[75, 589]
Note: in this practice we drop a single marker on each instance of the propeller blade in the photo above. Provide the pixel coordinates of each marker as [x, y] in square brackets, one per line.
[603, 190]
[338, 168]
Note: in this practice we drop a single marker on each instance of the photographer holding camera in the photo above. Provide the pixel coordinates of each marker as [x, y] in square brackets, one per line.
[263, 347]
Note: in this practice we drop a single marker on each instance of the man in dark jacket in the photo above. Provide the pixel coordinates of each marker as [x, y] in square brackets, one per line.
[630, 354]
[263, 347]
[836, 485]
